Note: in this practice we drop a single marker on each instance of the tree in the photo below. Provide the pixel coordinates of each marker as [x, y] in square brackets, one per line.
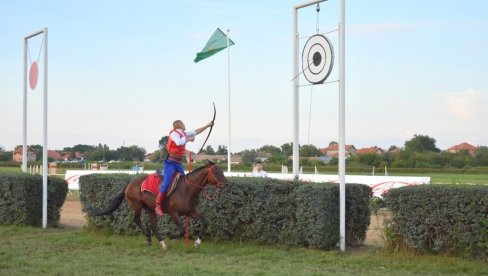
[287, 149]
[80, 148]
[221, 150]
[481, 157]
[273, 150]
[249, 156]
[132, 153]
[393, 147]
[309, 151]
[421, 143]
[5, 155]
[370, 159]
[209, 150]
[333, 143]
[162, 146]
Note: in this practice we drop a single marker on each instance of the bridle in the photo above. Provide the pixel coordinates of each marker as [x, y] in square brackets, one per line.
[215, 181]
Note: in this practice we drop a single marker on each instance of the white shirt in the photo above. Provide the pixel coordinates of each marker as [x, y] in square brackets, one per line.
[175, 136]
[261, 173]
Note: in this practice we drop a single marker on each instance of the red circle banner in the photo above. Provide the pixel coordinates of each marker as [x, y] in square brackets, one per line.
[33, 75]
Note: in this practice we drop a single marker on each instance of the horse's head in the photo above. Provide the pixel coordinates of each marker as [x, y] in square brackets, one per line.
[216, 175]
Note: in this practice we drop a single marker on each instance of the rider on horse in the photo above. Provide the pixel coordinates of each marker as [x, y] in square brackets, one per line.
[178, 137]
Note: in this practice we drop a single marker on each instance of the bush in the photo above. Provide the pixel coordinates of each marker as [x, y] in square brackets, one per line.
[266, 210]
[21, 199]
[450, 219]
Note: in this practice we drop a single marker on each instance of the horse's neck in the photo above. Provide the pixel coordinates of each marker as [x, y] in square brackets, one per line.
[198, 180]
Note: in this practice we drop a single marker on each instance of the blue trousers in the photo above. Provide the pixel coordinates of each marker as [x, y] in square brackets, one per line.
[170, 168]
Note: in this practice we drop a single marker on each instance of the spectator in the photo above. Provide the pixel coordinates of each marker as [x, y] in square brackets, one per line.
[258, 170]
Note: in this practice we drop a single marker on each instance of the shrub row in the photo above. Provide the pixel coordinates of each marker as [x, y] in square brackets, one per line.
[266, 210]
[450, 219]
[21, 199]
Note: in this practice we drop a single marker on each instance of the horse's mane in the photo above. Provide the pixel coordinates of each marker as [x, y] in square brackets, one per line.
[200, 168]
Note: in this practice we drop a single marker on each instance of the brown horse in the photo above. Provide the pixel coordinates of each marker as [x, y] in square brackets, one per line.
[183, 201]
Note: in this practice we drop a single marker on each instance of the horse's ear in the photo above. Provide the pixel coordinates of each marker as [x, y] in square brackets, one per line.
[209, 163]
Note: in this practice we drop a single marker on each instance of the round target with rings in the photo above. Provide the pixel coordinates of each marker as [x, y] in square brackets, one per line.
[317, 59]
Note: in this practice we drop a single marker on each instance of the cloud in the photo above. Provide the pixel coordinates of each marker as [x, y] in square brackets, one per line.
[463, 105]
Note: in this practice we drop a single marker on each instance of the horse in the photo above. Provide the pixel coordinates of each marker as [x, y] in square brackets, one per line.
[183, 201]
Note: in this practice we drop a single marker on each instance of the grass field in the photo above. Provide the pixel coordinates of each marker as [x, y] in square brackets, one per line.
[27, 250]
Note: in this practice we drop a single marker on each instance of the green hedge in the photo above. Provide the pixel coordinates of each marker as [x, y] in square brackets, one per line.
[266, 210]
[450, 219]
[21, 199]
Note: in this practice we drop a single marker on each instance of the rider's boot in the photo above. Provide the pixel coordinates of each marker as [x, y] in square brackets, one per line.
[159, 202]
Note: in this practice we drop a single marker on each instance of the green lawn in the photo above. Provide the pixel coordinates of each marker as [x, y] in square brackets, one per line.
[27, 250]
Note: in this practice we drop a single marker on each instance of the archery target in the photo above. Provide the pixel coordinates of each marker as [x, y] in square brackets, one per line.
[317, 59]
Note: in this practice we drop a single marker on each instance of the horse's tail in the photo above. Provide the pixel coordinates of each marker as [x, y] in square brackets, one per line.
[114, 205]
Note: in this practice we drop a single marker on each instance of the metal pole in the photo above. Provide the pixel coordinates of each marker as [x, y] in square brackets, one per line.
[296, 98]
[228, 83]
[44, 148]
[342, 128]
[24, 139]
[296, 154]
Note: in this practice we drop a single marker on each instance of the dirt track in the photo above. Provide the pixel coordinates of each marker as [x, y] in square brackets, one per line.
[71, 216]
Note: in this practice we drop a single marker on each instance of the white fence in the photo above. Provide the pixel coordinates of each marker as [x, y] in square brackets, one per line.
[379, 184]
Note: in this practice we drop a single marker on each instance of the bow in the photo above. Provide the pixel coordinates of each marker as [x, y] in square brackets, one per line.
[211, 127]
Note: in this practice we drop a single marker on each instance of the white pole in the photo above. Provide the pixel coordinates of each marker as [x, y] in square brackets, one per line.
[228, 104]
[24, 143]
[342, 128]
[296, 156]
[44, 148]
[296, 98]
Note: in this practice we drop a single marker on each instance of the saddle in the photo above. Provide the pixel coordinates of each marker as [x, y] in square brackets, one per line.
[153, 182]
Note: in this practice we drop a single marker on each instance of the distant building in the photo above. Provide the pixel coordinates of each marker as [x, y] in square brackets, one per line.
[333, 150]
[18, 153]
[79, 156]
[463, 147]
[374, 150]
[262, 156]
[148, 157]
[54, 155]
[66, 156]
[217, 158]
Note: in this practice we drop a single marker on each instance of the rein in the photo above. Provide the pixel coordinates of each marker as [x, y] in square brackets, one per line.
[209, 197]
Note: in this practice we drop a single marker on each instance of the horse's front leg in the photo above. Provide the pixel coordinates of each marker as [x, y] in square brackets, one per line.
[177, 220]
[203, 222]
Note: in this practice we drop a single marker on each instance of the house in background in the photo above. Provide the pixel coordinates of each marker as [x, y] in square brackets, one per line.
[463, 147]
[17, 154]
[148, 157]
[370, 150]
[217, 158]
[54, 155]
[333, 150]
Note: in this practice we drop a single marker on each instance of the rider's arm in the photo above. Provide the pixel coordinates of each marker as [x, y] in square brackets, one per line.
[177, 139]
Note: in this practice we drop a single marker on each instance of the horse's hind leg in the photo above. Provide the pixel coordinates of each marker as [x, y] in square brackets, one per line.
[137, 221]
[203, 222]
[154, 225]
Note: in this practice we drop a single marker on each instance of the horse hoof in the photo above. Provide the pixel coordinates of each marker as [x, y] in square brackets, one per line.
[163, 245]
[198, 242]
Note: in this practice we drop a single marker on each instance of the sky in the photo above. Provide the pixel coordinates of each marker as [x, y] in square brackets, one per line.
[121, 71]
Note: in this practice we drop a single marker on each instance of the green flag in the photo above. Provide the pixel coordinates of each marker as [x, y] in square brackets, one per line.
[216, 43]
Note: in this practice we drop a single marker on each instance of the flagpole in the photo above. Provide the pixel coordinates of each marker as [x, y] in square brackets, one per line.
[228, 82]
